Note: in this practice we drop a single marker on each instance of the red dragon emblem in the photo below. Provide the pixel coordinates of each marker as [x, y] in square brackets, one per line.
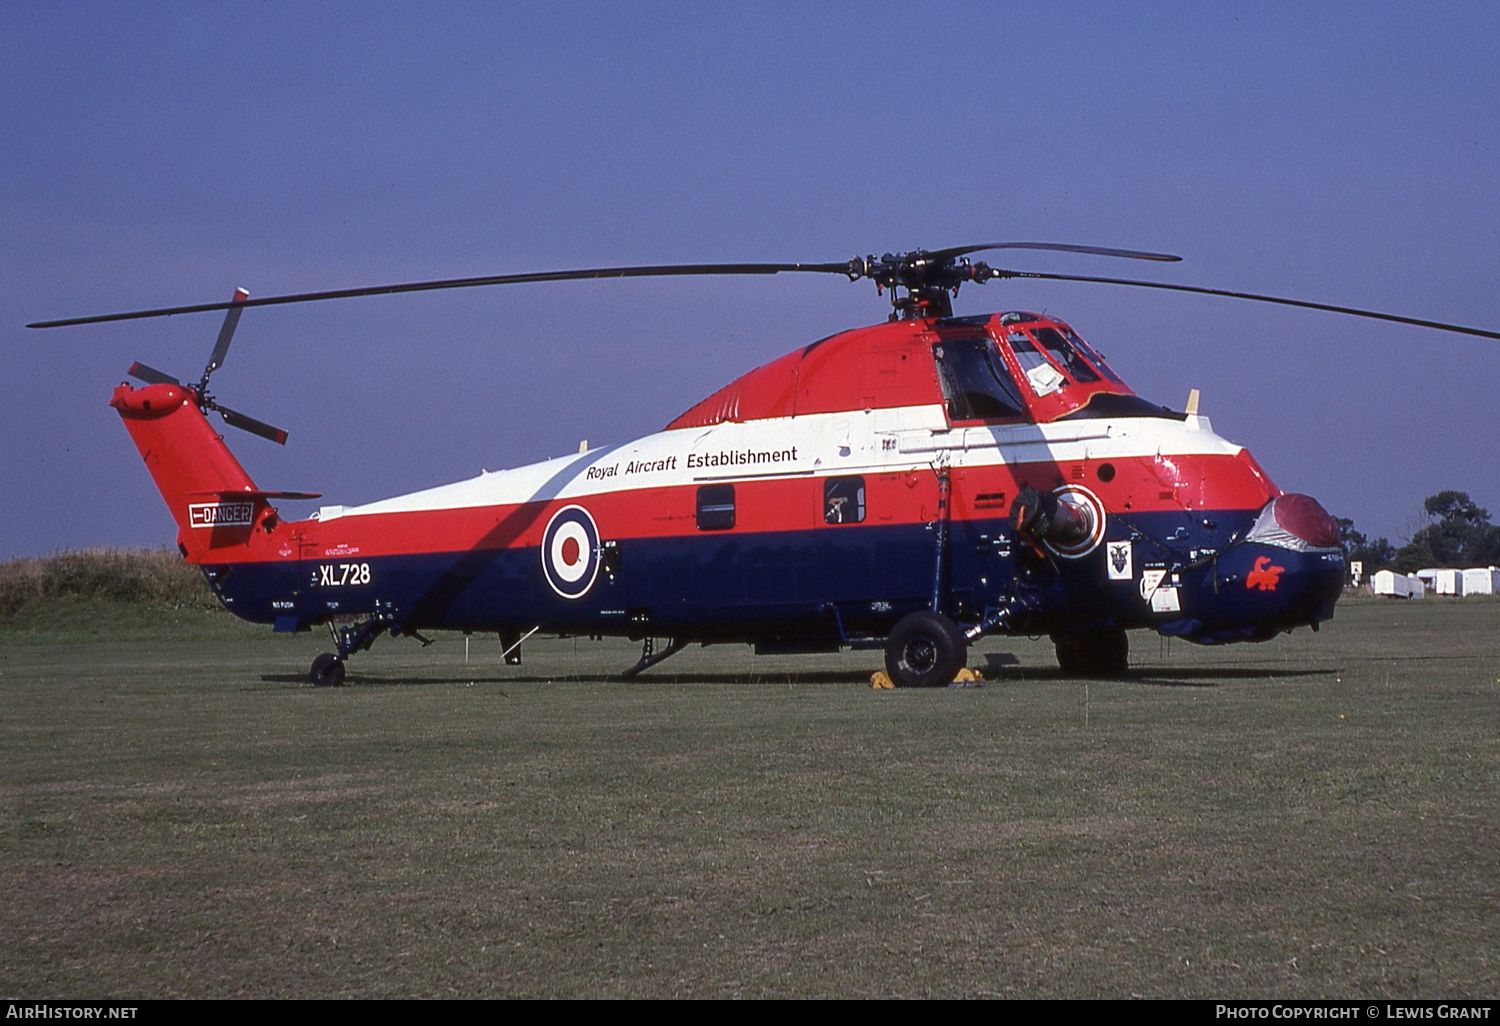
[1265, 575]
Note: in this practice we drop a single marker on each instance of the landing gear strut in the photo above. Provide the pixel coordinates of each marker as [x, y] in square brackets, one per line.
[650, 657]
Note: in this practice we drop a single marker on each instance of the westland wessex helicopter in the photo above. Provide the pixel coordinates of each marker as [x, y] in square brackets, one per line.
[913, 486]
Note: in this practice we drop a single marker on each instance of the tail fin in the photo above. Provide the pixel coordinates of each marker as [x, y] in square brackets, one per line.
[211, 497]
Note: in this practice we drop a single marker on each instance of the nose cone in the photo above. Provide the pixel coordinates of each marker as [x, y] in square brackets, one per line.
[1287, 571]
[1296, 522]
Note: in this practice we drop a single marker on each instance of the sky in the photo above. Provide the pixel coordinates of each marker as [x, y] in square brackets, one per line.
[162, 153]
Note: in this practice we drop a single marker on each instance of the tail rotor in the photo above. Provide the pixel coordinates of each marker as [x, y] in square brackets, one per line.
[226, 335]
[152, 376]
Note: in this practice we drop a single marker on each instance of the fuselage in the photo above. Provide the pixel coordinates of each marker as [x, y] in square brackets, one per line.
[811, 503]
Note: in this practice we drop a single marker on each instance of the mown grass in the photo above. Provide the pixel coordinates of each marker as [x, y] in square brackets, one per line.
[1312, 817]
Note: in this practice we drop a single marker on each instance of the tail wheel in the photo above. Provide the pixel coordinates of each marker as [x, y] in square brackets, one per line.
[926, 650]
[327, 671]
[1093, 653]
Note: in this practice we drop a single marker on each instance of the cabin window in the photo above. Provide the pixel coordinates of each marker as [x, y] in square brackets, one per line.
[975, 384]
[716, 507]
[844, 500]
[1064, 354]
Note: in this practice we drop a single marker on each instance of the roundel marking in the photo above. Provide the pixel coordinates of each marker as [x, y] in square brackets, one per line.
[570, 552]
[1093, 513]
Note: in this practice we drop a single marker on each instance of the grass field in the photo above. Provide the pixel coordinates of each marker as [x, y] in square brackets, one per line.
[181, 815]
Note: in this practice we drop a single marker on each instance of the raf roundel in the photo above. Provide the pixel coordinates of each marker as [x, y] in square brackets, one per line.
[570, 552]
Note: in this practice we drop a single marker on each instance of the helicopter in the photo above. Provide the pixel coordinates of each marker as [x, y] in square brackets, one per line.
[912, 487]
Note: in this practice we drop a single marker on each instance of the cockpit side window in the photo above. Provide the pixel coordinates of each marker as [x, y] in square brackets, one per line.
[1064, 354]
[1094, 356]
[975, 383]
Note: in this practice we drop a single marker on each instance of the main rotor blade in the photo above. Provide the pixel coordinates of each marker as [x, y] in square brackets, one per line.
[150, 375]
[226, 335]
[658, 271]
[1056, 247]
[250, 424]
[1305, 304]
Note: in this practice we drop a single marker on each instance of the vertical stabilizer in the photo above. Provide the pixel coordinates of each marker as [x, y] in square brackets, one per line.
[210, 495]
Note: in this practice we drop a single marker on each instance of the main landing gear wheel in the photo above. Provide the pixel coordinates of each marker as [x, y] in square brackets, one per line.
[328, 671]
[1093, 653]
[926, 650]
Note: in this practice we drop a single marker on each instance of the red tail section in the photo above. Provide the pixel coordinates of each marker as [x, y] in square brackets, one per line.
[213, 500]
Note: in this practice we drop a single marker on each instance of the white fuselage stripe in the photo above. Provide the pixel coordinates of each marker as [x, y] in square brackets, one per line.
[857, 442]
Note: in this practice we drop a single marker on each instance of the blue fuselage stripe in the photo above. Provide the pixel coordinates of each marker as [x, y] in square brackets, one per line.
[837, 580]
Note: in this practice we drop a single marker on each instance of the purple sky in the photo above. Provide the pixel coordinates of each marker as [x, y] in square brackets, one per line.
[157, 154]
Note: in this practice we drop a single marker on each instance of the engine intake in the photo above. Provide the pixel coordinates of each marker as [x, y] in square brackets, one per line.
[1068, 527]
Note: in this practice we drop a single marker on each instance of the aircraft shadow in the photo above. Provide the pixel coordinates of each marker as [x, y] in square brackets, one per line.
[996, 671]
[1209, 676]
[376, 680]
[1157, 676]
[355, 680]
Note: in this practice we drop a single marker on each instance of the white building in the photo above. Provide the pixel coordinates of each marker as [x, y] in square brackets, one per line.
[1394, 585]
[1450, 582]
[1481, 580]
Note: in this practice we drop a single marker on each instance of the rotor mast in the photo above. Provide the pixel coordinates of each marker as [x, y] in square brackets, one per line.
[921, 284]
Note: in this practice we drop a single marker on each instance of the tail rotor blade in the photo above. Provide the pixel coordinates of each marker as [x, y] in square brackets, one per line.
[250, 424]
[150, 375]
[226, 335]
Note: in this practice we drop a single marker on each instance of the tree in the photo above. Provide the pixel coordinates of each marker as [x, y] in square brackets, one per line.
[1486, 551]
[1358, 548]
[1461, 535]
[1456, 507]
[1413, 556]
[1376, 554]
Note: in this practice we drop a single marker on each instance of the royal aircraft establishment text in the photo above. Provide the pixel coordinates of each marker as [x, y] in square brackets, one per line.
[723, 458]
